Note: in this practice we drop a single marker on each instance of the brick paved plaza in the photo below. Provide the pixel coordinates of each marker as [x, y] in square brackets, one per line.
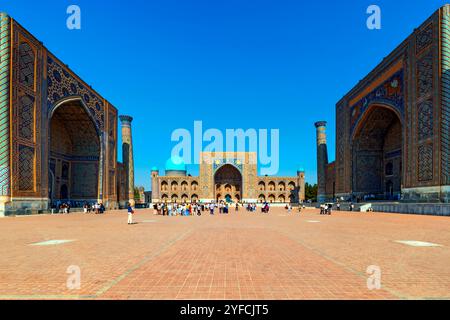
[239, 256]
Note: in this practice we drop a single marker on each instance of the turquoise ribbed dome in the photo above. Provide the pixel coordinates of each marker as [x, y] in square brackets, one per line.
[175, 164]
[301, 169]
[155, 169]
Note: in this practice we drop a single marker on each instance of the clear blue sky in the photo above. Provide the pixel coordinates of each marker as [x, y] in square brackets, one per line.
[230, 63]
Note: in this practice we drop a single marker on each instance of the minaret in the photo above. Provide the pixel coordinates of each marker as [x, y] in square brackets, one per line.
[322, 160]
[127, 156]
[155, 185]
[301, 185]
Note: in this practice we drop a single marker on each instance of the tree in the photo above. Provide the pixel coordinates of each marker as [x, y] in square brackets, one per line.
[137, 194]
[311, 192]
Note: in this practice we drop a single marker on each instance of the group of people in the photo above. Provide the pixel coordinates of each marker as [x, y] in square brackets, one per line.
[251, 207]
[97, 208]
[326, 208]
[176, 209]
[289, 208]
[191, 209]
[64, 208]
[351, 206]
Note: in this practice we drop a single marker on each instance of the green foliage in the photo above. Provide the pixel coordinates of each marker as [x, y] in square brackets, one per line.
[137, 195]
[310, 192]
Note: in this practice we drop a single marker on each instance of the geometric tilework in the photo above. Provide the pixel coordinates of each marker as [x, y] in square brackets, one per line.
[112, 183]
[391, 92]
[26, 168]
[445, 103]
[84, 180]
[26, 65]
[425, 75]
[236, 163]
[4, 104]
[61, 84]
[424, 38]
[26, 117]
[425, 119]
[425, 162]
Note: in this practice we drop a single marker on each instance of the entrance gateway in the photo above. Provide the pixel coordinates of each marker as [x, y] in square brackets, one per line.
[58, 136]
[225, 176]
[393, 127]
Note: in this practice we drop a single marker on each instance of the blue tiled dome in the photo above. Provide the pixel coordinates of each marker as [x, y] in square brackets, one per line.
[301, 169]
[155, 169]
[175, 164]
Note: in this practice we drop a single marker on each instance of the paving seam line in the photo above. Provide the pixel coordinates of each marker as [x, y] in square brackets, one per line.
[110, 284]
[347, 268]
[140, 264]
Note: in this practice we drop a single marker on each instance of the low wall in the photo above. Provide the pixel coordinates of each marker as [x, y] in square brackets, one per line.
[435, 209]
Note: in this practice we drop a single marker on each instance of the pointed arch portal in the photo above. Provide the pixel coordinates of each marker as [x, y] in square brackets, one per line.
[74, 154]
[229, 179]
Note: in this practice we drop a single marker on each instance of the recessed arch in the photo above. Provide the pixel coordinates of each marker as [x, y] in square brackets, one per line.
[261, 186]
[262, 198]
[377, 141]
[75, 147]
[74, 99]
[291, 186]
[228, 179]
[373, 105]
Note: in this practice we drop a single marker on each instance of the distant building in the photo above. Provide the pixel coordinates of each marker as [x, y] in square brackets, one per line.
[230, 176]
[58, 136]
[393, 127]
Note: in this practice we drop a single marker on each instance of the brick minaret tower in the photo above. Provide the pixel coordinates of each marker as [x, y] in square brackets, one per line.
[155, 185]
[322, 160]
[301, 184]
[127, 156]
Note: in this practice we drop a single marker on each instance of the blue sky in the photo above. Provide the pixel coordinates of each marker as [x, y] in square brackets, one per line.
[231, 63]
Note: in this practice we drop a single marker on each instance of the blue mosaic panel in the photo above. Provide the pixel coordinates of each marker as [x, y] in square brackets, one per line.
[218, 163]
[62, 84]
[389, 93]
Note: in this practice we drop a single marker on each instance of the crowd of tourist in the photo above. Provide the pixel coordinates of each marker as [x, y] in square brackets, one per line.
[65, 207]
[97, 208]
[192, 209]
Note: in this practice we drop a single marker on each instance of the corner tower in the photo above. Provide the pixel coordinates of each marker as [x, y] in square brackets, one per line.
[127, 156]
[322, 160]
